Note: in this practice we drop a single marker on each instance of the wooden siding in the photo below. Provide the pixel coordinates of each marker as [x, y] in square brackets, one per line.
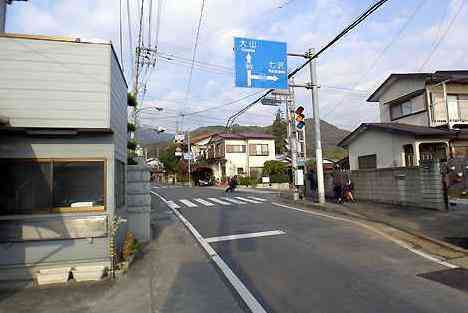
[55, 84]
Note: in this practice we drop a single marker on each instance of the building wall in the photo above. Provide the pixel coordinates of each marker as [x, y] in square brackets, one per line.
[388, 148]
[118, 108]
[69, 250]
[415, 186]
[236, 160]
[399, 88]
[59, 84]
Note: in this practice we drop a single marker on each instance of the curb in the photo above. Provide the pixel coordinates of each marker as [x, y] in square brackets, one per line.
[359, 218]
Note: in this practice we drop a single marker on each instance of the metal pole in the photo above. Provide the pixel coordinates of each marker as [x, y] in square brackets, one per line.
[2, 15]
[189, 160]
[444, 86]
[290, 106]
[318, 141]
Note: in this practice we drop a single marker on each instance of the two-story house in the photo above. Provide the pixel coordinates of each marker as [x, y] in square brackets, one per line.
[63, 152]
[423, 116]
[242, 154]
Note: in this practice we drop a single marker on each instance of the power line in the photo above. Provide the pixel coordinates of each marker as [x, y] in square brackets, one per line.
[441, 38]
[343, 33]
[195, 47]
[150, 11]
[130, 37]
[380, 55]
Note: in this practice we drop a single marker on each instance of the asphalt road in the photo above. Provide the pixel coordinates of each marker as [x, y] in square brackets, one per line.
[319, 264]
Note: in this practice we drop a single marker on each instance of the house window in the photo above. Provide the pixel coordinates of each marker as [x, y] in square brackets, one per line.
[367, 161]
[119, 183]
[258, 150]
[401, 109]
[235, 148]
[409, 155]
[240, 170]
[37, 186]
[256, 171]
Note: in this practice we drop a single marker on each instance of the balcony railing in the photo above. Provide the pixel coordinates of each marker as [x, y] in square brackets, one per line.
[458, 113]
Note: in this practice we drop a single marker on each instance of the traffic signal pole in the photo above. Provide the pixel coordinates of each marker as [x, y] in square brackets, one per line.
[290, 108]
[318, 142]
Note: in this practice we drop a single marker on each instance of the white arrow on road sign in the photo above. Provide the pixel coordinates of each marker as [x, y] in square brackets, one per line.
[265, 77]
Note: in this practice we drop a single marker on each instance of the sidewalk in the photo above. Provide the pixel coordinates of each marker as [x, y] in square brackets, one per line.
[442, 234]
[172, 275]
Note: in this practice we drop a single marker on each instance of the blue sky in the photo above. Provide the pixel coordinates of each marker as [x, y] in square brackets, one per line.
[405, 29]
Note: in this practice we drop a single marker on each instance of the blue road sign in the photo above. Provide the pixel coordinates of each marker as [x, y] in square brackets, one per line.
[261, 63]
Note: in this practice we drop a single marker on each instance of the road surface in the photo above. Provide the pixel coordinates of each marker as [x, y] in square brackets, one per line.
[291, 261]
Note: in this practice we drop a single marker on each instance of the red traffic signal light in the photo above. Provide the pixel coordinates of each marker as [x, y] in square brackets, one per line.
[299, 110]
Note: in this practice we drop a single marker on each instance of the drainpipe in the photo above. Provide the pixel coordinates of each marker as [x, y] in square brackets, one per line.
[416, 153]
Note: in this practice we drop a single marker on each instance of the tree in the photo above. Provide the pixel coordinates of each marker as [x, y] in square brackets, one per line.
[279, 131]
[168, 158]
[274, 167]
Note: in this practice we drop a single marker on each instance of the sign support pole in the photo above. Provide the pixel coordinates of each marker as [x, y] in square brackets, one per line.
[318, 141]
[189, 160]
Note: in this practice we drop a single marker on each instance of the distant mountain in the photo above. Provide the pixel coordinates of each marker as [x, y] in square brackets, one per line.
[147, 136]
[331, 135]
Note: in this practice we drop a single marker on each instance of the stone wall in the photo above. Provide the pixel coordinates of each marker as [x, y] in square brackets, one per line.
[415, 186]
[139, 201]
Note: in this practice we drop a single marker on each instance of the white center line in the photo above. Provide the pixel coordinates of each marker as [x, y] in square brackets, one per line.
[204, 202]
[233, 200]
[247, 200]
[243, 236]
[219, 201]
[258, 199]
[188, 203]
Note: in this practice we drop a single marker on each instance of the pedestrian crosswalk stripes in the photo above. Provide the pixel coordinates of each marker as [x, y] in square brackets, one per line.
[173, 205]
[219, 201]
[233, 200]
[258, 199]
[188, 203]
[247, 200]
[210, 202]
[204, 202]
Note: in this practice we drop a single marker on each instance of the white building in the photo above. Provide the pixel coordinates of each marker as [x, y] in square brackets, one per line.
[423, 116]
[242, 154]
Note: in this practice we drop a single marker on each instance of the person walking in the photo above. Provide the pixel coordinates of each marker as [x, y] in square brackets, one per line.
[232, 184]
[348, 191]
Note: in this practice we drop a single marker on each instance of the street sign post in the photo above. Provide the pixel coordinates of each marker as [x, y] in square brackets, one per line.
[260, 63]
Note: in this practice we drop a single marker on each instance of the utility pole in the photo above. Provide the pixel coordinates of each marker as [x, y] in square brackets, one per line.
[290, 109]
[189, 159]
[318, 141]
[3, 4]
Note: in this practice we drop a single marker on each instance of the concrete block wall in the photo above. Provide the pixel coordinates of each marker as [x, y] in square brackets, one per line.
[416, 186]
[139, 201]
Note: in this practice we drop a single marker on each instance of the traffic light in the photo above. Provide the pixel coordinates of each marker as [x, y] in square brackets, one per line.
[300, 117]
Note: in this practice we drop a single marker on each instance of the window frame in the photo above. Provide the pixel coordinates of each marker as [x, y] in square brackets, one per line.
[253, 152]
[367, 156]
[243, 148]
[60, 210]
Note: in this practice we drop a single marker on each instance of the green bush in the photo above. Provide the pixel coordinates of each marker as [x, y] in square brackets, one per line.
[274, 167]
[279, 178]
[131, 100]
[131, 127]
[248, 181]
[131, 161]
[131, 145]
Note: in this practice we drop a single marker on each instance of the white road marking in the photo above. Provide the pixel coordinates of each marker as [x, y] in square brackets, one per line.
[243, 236]
[219, 201]
[375, 230]
[204, 202]
[247, 200]
[188, 203]
[233, 200]
[173, 205]
[258, 199]
[236, 283]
